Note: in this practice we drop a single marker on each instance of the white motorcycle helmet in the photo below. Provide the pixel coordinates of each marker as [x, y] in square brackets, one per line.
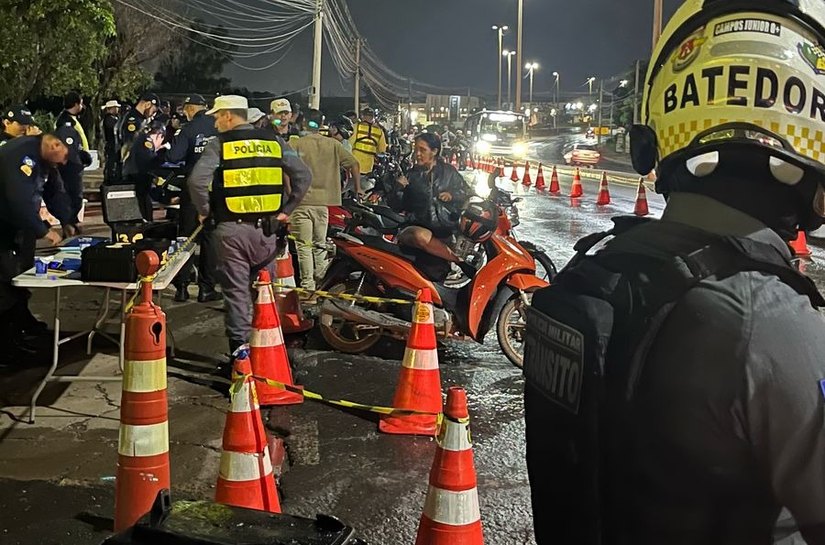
[734, 75]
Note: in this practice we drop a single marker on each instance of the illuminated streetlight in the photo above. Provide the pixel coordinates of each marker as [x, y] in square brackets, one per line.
[556, 75]
[509, 55]
[589, 84]
[531, 67]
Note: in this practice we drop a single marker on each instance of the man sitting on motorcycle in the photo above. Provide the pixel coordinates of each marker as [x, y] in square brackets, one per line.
[433, 195]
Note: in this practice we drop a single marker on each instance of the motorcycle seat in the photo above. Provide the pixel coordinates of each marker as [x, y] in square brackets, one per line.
[432, 267]
[389, 213]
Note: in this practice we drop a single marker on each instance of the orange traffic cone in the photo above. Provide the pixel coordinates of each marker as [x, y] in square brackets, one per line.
[800, 245]
[576, 190]
[541, 185]
[451, 513]
[419, 386]
[554, 182]
[245, 477]
[488, 165]
[143, 445]
[286, 299]
[269, 357]
[641, 208]
[526, 181]
[514, 174]
[604, 192]
[501, 168]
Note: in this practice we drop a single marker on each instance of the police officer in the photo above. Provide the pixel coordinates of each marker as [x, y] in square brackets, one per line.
[368, 140]
[676, 377]
[111, 154]
[27, 176]
[134, 120]
[144, 158]
[247, 214]
[187, 146]
[17, 121]
[71, 132]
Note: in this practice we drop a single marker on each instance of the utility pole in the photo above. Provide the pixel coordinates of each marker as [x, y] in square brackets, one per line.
[601, 97]
[315, 95]
[518, 52]
[636, 95]
[509, 55]
[500, 29]
[409, 101]
[657, 22]
[358, 74]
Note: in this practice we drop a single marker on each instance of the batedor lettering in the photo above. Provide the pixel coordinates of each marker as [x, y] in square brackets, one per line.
[743, 85]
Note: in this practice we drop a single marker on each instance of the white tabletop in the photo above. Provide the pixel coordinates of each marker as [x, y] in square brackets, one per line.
[53, 279]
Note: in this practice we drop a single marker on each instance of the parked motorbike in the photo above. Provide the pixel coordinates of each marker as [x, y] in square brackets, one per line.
[367, 264]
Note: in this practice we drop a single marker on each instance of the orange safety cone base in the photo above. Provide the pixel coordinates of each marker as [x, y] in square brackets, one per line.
[416, 424]
[291, 320]
[150, 475]
[800, 245]
[435, 533]
[261, 495]
[419, 389]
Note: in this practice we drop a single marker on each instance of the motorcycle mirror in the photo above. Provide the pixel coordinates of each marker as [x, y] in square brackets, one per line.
[517, 200]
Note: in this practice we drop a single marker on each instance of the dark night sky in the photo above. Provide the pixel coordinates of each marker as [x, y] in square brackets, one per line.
[450, 42]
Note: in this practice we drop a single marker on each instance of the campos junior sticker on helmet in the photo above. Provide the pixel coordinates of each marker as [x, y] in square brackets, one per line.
[813, 55]
[688, 50]
[762, 26]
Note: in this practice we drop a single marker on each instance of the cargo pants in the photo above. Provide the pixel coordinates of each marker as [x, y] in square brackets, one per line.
[242, 250]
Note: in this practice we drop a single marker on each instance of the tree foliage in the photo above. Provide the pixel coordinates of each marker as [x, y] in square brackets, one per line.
[49, 47]
[195, 67]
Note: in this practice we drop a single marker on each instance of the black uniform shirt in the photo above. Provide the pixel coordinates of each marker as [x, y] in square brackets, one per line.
[191, 139]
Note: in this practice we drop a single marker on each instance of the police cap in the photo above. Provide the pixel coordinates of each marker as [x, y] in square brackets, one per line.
[195, 100]
[19, 113]
[151, 98]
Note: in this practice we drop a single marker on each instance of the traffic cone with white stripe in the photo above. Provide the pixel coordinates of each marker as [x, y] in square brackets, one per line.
[269, 357]
[526, 180]
[800, 245]
[641, 209]
[451, 512]
[576, 190]
[500, 168]
[419, 386]
[555, 188]
[541, 185]
[286, 298]
[245, 477]
[604, 193]
[143, 443]
[514, 174]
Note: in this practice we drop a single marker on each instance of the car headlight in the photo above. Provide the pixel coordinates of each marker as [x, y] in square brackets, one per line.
[483, 147]
[520, 149]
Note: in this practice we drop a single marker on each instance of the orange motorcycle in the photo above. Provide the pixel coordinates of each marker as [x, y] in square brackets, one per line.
[369, 265]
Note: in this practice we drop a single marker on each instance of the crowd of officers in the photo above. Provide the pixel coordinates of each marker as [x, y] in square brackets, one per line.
[245, 175]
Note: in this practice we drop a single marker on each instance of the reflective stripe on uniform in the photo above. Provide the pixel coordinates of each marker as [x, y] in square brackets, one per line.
[266, 338]
[241, 466]
[254, 204]
[454, 436]
[144, 376]
[425, 360]
[149, 440]
[453, 508]
[255, 176]
[250, 149]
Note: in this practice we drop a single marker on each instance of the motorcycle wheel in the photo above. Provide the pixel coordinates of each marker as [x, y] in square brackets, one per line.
[511, 329]
[343, 336]
[545, 268]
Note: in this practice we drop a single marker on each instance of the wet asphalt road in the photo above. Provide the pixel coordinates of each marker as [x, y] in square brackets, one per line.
[338, 462]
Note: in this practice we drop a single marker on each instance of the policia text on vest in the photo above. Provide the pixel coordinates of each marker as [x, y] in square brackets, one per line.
[249, 183]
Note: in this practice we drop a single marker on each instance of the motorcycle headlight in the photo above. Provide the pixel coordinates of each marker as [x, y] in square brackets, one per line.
[519, 149]
[483, 146]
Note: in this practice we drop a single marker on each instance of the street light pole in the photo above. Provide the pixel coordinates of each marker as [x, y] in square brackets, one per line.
[315, 96]
[500, 30]
[601, 100]
[531, 68]
[657, 21]
[518, 51]
[590, 81]
[556, 74]
[509, 55]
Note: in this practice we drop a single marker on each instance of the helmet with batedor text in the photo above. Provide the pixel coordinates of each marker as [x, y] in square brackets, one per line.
[733, 78]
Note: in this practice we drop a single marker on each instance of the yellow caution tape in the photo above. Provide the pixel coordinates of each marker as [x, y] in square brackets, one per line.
[151, 278]
[238, 381]
[345, 296]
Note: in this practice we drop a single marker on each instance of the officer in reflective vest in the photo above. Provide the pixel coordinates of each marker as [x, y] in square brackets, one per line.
[675, 378]
[239, 182]
[368, 140]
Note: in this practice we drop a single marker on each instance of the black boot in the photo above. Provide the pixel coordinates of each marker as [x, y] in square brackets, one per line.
[209, 295]
[182, 294]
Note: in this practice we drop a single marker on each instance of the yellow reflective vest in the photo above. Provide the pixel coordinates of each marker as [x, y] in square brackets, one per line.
[249, 182]
[367, 141]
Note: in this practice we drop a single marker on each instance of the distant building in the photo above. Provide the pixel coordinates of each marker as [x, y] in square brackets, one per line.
[451, 108]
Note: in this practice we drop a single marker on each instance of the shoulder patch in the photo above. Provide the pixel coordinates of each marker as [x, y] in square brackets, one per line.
[28, 161]
[131, 127]
[70, 141]
[148, 145]
[26, 169]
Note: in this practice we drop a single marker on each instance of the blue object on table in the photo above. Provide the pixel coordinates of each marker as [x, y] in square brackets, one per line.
[83, 242]
[70, 264]
[40, 267]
